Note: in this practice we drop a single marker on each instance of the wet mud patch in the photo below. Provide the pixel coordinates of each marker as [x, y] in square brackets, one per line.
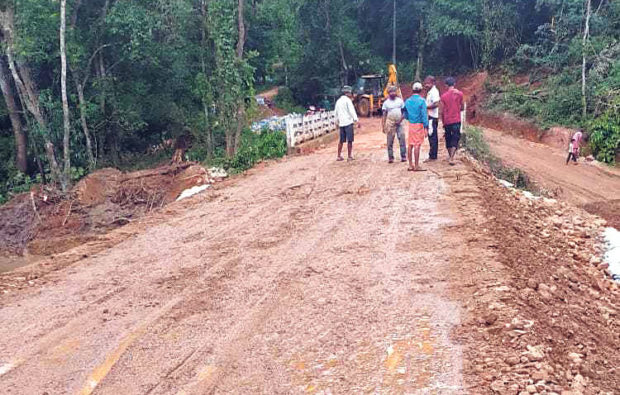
[608, 210]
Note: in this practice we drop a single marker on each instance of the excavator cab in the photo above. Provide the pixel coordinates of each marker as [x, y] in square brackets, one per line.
[370, 84]
[370, 91]
[367, 91]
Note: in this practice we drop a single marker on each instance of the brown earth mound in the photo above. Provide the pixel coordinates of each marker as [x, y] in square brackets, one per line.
[45, 223]
[473, 87]
[17, 220]
[609, 210]
[554, 325]
[508, 123]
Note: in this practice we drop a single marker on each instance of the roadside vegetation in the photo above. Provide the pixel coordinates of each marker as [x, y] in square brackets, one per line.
[573, 70]
[475, 144]
[98, 84]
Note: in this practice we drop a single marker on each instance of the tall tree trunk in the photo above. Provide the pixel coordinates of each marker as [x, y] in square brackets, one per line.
[80, 79]
[240, 48]
[65, 102]
[586, 33]
[92, 162]
[101, 71]
[394, 34]
[421, 47]
[27, 90]
[205, 104]
[21, 139]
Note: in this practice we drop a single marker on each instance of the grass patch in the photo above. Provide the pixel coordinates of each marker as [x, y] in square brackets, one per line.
[254, 148]
[477, 146]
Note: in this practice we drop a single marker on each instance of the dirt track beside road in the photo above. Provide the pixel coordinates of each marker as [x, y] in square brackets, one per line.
[595, 187]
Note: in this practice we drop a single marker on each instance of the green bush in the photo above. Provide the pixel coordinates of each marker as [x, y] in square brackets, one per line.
[286, 101]
[476, 145]
[605, 136]
[254, 148]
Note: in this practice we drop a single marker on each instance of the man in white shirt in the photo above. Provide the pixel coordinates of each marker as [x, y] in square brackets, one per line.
[392, 123]
[432, 104]
[345, 118]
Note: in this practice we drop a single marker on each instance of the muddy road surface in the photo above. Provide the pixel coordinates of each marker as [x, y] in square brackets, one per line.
[595, 187]
[305, 275]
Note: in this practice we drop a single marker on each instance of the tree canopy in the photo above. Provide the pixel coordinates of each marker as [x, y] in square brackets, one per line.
[139, 72]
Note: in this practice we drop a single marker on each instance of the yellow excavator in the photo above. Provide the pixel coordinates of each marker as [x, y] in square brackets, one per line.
[371, 91]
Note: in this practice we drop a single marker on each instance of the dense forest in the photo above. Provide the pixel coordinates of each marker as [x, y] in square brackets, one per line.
[94, 83]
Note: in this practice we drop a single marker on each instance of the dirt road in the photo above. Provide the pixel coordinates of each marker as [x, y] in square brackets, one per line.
[306, 275]
[595, 187]
[315, 276]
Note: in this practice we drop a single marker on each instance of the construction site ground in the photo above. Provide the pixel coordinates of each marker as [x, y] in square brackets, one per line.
[307, 275]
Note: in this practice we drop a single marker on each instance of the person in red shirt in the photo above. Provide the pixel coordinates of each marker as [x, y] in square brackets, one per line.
[452, 106]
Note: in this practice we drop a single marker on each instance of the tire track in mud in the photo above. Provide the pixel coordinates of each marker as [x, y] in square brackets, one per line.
[308, 275]
[272, 287]
[64, 332]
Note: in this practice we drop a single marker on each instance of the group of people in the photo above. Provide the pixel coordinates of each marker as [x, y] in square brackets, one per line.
[422, 115]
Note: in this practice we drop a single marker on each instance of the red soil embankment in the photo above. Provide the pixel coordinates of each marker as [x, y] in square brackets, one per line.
[43, 222]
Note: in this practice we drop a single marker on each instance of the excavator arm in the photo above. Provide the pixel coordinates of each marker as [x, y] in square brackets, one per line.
[392, 80]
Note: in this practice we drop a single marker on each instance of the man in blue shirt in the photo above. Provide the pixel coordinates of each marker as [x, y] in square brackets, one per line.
[417, 115]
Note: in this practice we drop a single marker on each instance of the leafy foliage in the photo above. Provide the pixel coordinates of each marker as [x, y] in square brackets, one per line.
[153, 70]
[256, 147]
[553, 61]
[605, 136]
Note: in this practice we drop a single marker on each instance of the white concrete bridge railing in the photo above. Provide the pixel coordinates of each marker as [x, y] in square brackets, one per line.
[304, 128]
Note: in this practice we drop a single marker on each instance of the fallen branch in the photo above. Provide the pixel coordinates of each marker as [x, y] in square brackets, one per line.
[68, 214]
[34, 206]
[121, 220]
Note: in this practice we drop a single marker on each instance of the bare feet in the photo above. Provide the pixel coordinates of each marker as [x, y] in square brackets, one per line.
[350, 159]
[340, 159]
[411, 169]
[419, 169]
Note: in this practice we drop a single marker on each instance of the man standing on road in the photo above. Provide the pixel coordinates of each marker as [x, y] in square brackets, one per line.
[417, 115]
[345, 118]
[452, 106]
[432, 104]
[392, 123]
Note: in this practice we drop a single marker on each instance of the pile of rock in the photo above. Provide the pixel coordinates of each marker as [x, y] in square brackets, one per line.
[553, 327]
